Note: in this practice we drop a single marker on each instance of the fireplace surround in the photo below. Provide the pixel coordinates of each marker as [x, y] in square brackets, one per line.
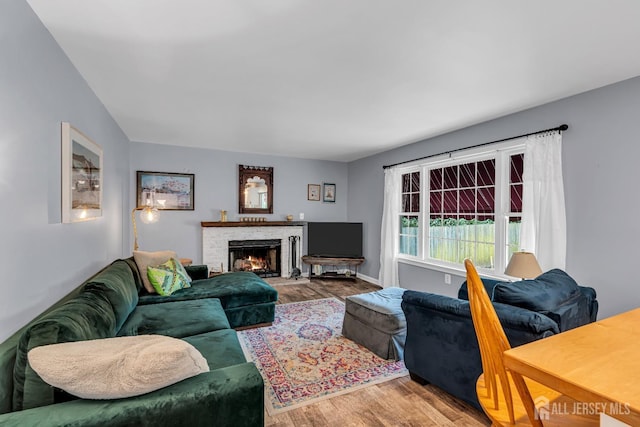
[217, 235]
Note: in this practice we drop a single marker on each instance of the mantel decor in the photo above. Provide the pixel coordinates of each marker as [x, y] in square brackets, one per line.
[81, 176]
[255, 192]
[171, 191]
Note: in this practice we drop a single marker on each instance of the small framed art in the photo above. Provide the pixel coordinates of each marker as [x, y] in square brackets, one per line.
[165, 190]
[81, 176]
[328, 193]
[313, 192]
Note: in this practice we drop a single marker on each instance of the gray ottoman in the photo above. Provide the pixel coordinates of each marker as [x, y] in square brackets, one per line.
[376, 321]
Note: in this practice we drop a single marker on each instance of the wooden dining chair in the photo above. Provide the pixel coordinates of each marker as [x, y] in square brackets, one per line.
[505, 396]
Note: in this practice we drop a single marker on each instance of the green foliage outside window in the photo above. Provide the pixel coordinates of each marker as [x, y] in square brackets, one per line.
[447, 222]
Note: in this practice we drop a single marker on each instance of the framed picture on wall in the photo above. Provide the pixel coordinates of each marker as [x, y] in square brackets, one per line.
[313, 192]
[165, 190]
[328, 193]
[81, 176]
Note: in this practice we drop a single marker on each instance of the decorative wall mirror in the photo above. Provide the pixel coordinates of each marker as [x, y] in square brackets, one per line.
[255, 193]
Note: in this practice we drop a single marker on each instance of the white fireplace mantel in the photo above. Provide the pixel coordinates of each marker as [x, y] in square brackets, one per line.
[216, 237]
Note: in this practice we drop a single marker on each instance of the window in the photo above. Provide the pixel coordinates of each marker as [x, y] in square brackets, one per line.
[409, 218]
[462, 213]
[468, 207]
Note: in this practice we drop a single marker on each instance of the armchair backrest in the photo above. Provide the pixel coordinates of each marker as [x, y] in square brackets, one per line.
[554, 294]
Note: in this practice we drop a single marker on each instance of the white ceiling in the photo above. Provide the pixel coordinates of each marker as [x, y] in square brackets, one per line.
[335, 79]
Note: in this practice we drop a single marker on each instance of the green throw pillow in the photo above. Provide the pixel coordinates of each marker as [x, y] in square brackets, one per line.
[168, 277]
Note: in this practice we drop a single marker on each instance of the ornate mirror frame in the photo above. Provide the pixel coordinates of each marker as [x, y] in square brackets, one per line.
[247, 172]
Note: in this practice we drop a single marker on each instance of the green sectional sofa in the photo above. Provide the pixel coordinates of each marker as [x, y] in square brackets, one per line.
[114, 303]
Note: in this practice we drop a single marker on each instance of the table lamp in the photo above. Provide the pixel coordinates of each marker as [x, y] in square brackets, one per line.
[523, 264]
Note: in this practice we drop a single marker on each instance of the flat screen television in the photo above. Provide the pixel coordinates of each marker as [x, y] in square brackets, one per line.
[334, 239]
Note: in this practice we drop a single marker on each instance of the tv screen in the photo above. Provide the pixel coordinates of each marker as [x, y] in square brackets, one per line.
[334, 239]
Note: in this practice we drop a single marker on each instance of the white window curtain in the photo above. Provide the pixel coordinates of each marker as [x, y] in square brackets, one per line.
[544, 225]
[389, 245]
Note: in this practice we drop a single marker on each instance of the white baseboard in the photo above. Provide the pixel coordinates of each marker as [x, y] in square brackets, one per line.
[368, 279]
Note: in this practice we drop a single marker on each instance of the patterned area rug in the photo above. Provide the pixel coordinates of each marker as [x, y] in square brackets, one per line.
[303, 357]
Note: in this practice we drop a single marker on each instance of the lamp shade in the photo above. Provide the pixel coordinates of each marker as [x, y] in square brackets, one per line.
[524, 265]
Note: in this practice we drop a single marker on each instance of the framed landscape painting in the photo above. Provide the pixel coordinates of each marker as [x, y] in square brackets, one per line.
[81, 176]
[165, 190]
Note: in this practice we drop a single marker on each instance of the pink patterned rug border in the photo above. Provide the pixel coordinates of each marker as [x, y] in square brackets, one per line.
[303, 357]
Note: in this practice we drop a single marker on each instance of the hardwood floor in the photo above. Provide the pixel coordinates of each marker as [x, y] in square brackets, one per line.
[399, 402]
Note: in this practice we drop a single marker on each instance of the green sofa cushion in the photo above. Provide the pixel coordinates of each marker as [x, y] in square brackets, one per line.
[88, 316]
[233, 289]
[117, 283]
[251, 314]
[220, 348]
[176, 319]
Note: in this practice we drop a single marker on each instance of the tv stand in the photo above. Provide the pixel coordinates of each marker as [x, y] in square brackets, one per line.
[314, 261]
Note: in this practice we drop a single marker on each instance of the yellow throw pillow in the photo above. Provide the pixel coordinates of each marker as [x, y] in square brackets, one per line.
[168, 277]
[145, 259]
[115, 368]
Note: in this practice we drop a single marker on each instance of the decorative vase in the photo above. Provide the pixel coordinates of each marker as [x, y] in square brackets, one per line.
[223, 216]
[289, 217]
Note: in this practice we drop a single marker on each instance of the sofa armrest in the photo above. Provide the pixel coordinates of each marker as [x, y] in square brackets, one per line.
[197, 272]
[231, 396]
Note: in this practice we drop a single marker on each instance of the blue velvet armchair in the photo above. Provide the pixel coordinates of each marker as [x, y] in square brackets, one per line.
[441, 346]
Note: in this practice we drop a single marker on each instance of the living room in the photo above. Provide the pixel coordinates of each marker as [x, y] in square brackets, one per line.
[45, 259]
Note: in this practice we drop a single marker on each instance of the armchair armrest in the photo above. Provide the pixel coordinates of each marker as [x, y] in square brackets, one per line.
[590, 294]
[231, 396]
[197, 272]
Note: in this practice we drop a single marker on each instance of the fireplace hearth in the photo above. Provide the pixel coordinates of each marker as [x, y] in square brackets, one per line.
[261, 257]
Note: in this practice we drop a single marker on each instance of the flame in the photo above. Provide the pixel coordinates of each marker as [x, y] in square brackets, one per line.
[257, 263]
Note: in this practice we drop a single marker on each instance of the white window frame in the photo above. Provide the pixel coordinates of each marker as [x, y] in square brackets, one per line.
[420, 243]
[502, 153]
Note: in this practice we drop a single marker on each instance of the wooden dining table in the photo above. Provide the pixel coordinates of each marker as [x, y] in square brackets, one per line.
[598, 365]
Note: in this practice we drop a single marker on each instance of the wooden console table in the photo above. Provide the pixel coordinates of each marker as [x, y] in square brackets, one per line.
[350, 262]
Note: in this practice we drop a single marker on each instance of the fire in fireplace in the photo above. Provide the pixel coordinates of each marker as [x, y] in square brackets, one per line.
[259, 256]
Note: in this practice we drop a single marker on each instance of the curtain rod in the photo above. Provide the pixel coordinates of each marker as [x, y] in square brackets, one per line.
[560, 128]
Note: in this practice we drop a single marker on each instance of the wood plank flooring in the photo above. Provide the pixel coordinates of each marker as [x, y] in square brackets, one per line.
[399, 402]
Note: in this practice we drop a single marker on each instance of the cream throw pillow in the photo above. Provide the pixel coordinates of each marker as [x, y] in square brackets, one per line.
[115, 368]
[145, 259]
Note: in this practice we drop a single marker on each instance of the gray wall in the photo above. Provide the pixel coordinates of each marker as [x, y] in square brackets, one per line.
[42, 259]
[600, 165]
[216, 188]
